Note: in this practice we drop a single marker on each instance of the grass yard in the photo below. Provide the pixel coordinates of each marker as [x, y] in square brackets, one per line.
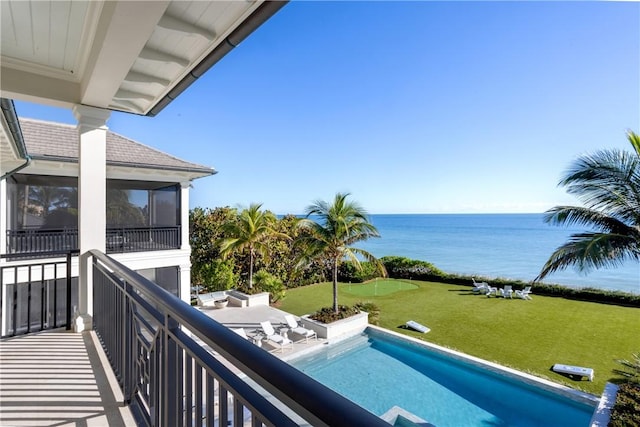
[377, 287]
[526, 335]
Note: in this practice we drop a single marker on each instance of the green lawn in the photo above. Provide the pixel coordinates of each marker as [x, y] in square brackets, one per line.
[526, 335]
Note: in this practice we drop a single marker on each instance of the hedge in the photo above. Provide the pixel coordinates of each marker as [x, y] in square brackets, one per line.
[405, 268]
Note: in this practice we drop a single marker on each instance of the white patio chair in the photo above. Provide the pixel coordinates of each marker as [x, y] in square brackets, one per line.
[273, 338]
[297, 329]
[481, 287]
[524, 294]
[507, 291]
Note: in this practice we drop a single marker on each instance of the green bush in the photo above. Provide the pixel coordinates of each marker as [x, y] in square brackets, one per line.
[626, 411]
[267, 282]
[371, 308]
[348, 272]
[405, 268]
[217, 275]
[327, 315]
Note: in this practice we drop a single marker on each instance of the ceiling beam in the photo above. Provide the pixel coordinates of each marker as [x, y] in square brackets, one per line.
[120, 37]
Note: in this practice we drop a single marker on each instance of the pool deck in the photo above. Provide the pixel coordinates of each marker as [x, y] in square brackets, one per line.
[249, 318]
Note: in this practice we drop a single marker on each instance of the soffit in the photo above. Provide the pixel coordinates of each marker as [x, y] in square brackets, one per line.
[132, 56]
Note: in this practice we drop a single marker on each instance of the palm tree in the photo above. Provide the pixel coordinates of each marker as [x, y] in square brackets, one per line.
[608, 184]
[250, 233]
[339, 225]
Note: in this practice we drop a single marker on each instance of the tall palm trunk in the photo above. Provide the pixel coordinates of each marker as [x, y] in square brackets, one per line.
[251, 255]
[335, 285]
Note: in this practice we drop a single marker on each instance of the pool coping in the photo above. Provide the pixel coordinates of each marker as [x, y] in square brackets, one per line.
[570, 393]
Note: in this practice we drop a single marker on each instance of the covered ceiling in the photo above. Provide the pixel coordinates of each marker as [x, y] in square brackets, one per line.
[131, 56]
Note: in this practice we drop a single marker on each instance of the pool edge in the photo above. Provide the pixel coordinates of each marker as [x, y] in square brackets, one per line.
[573, 394]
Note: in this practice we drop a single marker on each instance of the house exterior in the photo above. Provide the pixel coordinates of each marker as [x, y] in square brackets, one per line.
[146, 215]
[123, 207]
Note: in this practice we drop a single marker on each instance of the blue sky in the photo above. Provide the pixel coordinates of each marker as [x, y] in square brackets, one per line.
[412, 107]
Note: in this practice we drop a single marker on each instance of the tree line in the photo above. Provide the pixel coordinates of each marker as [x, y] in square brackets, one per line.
[254, 250]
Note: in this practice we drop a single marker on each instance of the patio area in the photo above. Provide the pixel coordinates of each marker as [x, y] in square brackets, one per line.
[249, 319]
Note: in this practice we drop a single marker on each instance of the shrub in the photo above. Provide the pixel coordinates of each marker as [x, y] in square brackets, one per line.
[348, 272]
[327, 315]
[626, 411]
[371, 308]
[217, 275]
[405, 268]
[267, 282]
[632, 368]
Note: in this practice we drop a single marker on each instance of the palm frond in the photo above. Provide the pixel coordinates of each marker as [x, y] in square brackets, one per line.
[575, 215]
[587, 251]
[609, 181]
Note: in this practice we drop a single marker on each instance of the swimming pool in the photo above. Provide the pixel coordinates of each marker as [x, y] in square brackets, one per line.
[378, 371]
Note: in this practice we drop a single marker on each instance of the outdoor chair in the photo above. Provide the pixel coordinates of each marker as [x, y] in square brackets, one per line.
[243, 334]
[524, 294]
[480, 287]
[506, 292]
[273, 338]
[492, 290]
[298, 330]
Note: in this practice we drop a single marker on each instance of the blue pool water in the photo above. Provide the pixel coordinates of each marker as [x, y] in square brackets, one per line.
[379, 371]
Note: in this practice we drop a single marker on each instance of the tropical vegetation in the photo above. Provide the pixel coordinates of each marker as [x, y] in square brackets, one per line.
[335, 227]
[608, 184]
[250, 232]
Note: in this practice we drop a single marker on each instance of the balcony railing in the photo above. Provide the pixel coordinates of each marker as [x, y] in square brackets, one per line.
[39, 296]
[170, 380]
[118, 240]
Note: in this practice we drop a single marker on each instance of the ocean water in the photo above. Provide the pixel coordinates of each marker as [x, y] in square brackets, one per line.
[514, 246]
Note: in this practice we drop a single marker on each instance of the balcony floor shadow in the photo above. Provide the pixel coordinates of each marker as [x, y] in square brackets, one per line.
[58, 378]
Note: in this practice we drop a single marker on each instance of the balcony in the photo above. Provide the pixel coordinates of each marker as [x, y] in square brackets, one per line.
[153, 360]
[23, 243]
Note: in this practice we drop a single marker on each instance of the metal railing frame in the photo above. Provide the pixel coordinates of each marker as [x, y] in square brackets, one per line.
[169, 379]
[24, 243]
[45, 323]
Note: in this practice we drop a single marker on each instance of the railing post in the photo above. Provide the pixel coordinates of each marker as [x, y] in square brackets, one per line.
[170, 373]
[68, 312]
[129, 351]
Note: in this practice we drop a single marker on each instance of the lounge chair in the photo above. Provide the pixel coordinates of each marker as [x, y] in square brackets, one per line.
[296, 329]
[481, 287]
[274, 339]
[243, 334]
[524, 294]
[506, 292]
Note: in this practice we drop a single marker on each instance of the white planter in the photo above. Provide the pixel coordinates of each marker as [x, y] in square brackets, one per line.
[258, 299]
[344, 327]
[240, 299]
[602, 414]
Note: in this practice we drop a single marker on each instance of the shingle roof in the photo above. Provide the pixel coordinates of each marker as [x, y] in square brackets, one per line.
[60, 141]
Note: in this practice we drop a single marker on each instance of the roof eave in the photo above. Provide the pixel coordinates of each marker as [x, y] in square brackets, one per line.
[203, 172]
[265, 11]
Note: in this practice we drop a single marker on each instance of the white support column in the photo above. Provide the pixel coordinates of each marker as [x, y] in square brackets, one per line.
[184, 270]
[184, 215]
[4, 207]
[92, 194]
[184, 275]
